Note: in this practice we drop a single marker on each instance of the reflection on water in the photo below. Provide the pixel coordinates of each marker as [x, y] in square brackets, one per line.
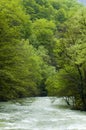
[44, 113]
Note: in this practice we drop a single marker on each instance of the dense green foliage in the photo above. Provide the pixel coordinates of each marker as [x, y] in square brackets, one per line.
[70, 80]
[42, 50]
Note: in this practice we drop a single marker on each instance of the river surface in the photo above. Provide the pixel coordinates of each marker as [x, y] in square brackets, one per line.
[40, 113]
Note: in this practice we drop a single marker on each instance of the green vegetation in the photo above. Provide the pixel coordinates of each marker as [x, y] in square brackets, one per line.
[70, 79]
[43, 50]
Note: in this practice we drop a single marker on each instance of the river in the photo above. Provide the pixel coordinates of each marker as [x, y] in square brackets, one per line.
[40, 113]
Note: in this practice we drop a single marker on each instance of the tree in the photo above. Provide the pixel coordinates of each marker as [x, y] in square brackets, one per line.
[71, 51]
[13, 52]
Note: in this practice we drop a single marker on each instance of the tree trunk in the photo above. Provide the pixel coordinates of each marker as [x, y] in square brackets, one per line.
[81, 88]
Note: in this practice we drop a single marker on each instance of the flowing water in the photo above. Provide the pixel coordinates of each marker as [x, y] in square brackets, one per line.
[40, 113]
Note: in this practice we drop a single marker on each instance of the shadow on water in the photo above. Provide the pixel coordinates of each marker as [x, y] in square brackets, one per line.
[24, 101]
[61, 106]
[15, 105]
[59, 103]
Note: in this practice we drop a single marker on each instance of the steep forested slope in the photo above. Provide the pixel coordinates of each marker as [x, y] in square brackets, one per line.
[43, 49]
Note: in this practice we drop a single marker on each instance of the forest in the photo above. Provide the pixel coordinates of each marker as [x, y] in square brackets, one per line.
[43, 50]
